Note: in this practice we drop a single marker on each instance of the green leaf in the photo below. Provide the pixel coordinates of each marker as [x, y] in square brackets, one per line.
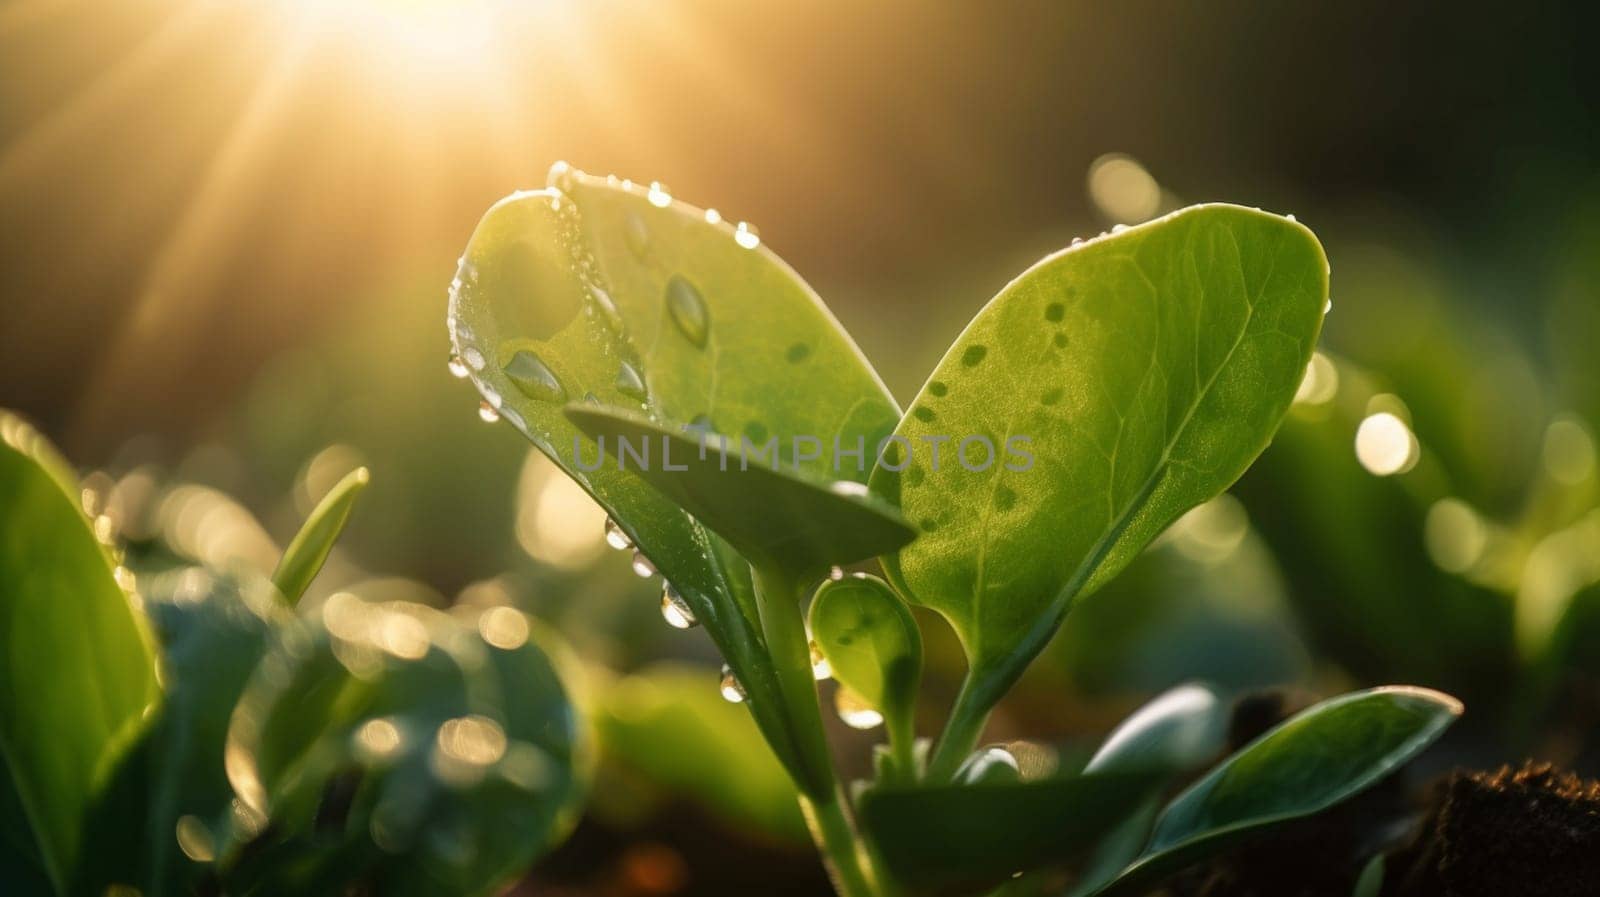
[962, 839]
[872, 645]
[1118, 383]
[305, 555]
[1182, 728]
[1370, 882]
[211, 631]
[595, 288]
[770, 515]
[389, 747]
[78, 670]
[1320, 757]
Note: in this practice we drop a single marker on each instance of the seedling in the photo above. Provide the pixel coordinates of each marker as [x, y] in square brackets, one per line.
[743, 446]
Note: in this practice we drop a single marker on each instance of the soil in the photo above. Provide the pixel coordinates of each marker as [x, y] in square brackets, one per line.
[1533, 831]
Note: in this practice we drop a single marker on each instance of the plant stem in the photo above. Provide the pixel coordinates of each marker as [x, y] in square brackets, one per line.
[778, 600]
[967, 719]
[837, 841]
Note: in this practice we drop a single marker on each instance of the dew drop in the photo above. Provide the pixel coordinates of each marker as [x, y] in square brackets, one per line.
[1077, 241]
[561, 176]
[923, 413]
[973, 356]
[642, 567]
[820, 668]
[659, 196]
[688, 310]
[732, 690]
[636, 235]
[630, 383]
[675, 610]
[1118, 228]
[615, 537]
[533, 378]
[746, 235]
[713, 216]
[487, 412]
[848, 488]
[835, 573]
[473, 357]
[1327, 306]
[608, 308]
[855, 711]
[938, 388]
[458, 367]
[1291, 217]
[1055, 311]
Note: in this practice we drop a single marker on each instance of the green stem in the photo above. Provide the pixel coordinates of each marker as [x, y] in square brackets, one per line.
[837, 841]
[967, 719]
[778, 601]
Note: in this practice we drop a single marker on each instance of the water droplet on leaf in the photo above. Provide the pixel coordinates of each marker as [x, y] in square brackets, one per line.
[855, 711]
[533, 378]
[458, 368]
[659, 196]
[746, 235]
[636, 235]
[642, 567]
[688, 310]
[820, 668]
[487, 412]
[713, 216]
[675, 610]
[615, 537]
[732, 690]
[561, 176]
[630, 383]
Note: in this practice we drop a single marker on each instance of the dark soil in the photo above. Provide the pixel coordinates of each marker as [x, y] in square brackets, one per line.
[1527, 832]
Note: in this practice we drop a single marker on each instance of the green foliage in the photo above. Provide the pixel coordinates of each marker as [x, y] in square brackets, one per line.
[769, 514]
[1146, 369]
[589, 289]
[873, 647]
[305, 555]
[961, 839]
[390, 746]
[211, 631]
[1322, 756]
[79, 676]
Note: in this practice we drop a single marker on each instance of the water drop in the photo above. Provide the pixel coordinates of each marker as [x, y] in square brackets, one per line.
[659, 196]
[1327, 306]
[835, 573]
[630, 383]
[820, 668]
[688, 310]
[848, 488]
[561, 176]
[713, 216]
[1291, 217]
[615, 537]
[973, 356]
[855, 711]
[746, 235]
[458, 368]
[487, 412]
[608, 308]
[473, 357]
[675, 610]
[642, 567]
[732, 690]
[1077, 241]
[637, 236]
[533, 378]
[1118, 228]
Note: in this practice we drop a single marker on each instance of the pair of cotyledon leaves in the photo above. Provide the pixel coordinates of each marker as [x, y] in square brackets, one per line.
[1107, 390]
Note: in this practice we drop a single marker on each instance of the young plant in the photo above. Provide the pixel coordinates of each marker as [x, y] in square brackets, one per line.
[1107, 390]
